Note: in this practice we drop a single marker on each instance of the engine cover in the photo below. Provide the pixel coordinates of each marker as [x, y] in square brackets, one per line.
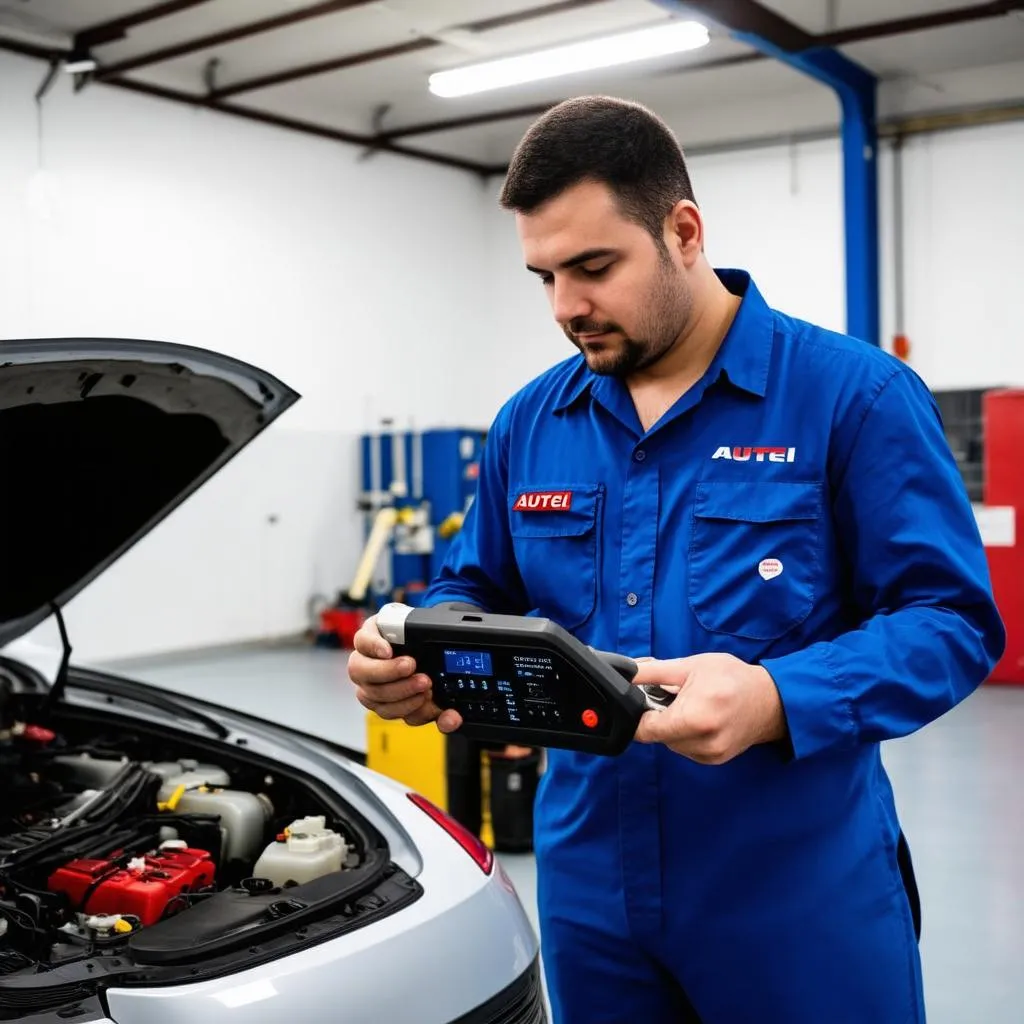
[143, 888]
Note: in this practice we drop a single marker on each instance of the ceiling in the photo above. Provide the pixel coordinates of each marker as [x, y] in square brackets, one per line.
[356, 70]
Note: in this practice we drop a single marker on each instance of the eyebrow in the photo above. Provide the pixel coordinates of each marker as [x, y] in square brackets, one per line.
[574, 261]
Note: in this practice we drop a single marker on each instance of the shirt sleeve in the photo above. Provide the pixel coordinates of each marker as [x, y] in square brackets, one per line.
[930, 632]
[480, 568]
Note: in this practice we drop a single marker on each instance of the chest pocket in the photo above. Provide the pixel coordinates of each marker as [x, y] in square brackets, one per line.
[754, 561]
[556, 547]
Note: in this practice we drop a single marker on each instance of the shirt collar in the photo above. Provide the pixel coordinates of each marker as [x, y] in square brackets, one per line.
[743, 358]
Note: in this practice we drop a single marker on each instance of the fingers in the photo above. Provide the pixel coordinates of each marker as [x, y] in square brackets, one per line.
[696, 740]
[652, 672]
[389, 686]
[367, 671]
[369, 642]
[394, 709]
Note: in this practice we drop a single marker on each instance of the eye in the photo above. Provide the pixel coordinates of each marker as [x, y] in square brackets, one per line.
[546, 279]
[596, 272]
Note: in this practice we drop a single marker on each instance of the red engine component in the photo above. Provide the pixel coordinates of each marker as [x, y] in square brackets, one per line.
[143, 888]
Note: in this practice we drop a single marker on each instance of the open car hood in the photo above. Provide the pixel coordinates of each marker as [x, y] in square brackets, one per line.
[99, 441]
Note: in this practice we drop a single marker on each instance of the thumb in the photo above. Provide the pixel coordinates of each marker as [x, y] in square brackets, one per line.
[652, 728]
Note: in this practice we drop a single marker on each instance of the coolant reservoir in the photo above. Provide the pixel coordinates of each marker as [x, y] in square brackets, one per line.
[307, 849]
[189, 774]
[243, 817]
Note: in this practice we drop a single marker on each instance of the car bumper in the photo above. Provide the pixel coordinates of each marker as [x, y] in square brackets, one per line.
[469, 959]
[521, 1003]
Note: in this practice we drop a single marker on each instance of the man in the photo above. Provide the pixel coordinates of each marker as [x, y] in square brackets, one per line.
[770, 512]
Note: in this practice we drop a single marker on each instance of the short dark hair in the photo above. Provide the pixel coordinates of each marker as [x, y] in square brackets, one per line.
[599, 138]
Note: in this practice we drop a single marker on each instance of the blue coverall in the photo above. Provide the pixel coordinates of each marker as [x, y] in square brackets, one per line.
[798, 507]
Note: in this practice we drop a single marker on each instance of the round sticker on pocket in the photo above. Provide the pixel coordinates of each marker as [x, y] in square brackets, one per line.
[769, 568]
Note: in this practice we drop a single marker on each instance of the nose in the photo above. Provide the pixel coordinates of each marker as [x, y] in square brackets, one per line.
[569, 301]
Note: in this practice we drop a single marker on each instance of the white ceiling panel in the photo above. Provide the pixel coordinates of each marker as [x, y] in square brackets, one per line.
[947, 90]
[975, 44]
[356, 91]
[867, 12]
[193, 23]
[767, 99]
[828, 15]
[940, 68]
[308, 42]
[566, 26]
[432, 15]
[45, 17]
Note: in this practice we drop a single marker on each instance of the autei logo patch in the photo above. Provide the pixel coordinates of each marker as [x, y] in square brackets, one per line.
[543, 501]
[739, 454]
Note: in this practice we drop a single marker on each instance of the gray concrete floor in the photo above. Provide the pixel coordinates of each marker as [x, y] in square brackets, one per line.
[959, 786]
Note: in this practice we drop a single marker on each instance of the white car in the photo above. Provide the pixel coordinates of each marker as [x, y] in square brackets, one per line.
[166, 860]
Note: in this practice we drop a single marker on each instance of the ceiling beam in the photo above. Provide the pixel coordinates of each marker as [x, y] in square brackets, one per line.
[117, 28]
[856, 34]
[397, 50]
[748, 17]
[230, 35]
[920, 23]
[322, 67]
[366, 142]
[47, 53]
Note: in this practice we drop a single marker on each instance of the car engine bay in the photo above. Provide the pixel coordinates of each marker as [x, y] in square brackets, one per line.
[129, 856]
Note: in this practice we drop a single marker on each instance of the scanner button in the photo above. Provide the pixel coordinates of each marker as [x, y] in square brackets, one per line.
[590, 718]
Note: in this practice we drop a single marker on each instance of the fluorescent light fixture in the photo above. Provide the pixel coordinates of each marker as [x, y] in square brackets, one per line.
[609, 51]
[77, 67]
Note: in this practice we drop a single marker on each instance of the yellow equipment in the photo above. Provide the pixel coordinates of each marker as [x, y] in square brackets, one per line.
[415, 756]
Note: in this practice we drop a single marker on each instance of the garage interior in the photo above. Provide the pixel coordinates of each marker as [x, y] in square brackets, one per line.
[275, 180]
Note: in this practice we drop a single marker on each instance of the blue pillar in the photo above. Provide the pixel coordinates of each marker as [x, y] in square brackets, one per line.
[856, 88]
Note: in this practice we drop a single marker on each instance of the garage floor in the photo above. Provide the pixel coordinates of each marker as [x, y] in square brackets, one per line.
[959, 784]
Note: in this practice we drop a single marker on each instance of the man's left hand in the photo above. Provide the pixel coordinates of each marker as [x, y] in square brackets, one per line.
[724, 706]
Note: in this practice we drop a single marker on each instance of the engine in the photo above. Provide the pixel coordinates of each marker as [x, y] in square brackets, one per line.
[98, 843]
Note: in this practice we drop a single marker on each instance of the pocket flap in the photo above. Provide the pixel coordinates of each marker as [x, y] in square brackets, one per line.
[553, 509]
[753, 501]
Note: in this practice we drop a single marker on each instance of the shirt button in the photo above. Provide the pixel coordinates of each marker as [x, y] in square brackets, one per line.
[631, 600]
[640, 455]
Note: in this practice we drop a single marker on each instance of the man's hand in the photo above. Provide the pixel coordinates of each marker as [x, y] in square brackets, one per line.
[724, 706]
[390, 687]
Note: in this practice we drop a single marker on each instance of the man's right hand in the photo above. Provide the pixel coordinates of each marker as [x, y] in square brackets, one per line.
[390, 687]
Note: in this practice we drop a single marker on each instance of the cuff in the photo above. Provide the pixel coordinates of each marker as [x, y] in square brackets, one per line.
[818, 714]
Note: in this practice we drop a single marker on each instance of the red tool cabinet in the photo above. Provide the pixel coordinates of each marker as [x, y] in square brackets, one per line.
[1002, 520]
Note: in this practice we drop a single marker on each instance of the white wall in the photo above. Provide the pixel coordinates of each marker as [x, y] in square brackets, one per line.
[153, 220]
[158, 221]
[778, 212]
[964, 215]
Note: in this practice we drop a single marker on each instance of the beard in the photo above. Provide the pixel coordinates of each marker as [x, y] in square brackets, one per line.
[662, 316]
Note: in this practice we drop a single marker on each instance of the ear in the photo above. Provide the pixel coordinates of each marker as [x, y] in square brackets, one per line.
[684, 229]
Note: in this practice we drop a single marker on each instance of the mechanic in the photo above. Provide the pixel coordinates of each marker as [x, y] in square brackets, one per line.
[771, 512]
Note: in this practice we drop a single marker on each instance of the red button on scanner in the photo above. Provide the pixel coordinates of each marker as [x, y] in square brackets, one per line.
[589, 718]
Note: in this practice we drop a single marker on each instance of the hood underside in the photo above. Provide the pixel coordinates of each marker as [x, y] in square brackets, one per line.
[99, 441]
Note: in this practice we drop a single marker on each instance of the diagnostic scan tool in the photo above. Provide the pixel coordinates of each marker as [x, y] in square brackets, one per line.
[523, 680]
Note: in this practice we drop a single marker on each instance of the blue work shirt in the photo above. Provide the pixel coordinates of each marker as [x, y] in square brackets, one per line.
[798, 507]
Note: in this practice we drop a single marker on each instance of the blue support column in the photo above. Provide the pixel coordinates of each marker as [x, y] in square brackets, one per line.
[856, 88]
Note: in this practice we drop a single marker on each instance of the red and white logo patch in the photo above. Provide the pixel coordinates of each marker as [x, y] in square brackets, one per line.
[543, 501]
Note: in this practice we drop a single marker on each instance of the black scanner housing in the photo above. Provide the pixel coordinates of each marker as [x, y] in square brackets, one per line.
[524, 680]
